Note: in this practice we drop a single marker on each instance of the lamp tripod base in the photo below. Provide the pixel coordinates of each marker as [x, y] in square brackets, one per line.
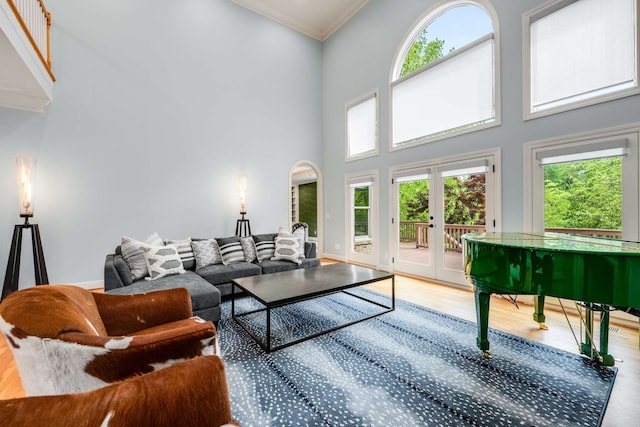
[12, 275]
[243, 227]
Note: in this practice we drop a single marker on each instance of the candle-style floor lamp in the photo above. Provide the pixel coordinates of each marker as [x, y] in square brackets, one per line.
[25, 168]
[243, 227]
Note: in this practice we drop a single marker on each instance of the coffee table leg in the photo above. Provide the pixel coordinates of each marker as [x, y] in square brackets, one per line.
[268, 343]
[233, 301]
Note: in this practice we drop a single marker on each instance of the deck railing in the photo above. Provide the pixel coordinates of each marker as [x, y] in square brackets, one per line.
[418, 232]
[35, 21]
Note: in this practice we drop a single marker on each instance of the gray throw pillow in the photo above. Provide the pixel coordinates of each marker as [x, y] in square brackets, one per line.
[206, 252]
[249, 248]
[133, 256]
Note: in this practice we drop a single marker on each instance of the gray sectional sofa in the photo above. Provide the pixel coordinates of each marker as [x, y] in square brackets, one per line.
[207, 284]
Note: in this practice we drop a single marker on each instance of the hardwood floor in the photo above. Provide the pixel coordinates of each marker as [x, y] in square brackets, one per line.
[623, 409]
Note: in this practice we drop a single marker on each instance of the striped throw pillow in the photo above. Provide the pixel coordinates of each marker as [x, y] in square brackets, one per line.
[231, 250]
[186, 252]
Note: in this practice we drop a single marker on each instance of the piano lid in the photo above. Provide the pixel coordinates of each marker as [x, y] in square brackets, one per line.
[557, 242]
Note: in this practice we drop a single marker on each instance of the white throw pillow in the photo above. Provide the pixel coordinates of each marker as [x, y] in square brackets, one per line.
[298, 236]
[162, 261]
[287, 249]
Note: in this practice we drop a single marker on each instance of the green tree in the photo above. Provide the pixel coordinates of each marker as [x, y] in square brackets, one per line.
[414, 201]
[586, 194]
[464, 199]
[421, 52]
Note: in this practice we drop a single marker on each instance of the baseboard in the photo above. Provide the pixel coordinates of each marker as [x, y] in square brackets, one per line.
[96, 284]
[334, 257]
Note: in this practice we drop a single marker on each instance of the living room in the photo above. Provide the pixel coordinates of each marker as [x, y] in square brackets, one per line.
[160, 107]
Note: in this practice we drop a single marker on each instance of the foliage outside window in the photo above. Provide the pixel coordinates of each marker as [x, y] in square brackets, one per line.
[435, 93]
[584, 194]
[361, 211]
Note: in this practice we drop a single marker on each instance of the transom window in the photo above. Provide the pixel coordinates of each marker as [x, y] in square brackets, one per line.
[444, 79]
[362, 126]
[578, 53]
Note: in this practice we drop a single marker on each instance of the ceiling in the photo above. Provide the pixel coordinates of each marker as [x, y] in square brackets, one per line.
[315, 18]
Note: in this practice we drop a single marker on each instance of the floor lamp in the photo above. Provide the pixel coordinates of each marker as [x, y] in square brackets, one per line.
[243, 227]
[25, 171]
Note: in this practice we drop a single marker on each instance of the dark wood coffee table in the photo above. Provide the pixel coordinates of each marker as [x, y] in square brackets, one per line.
[288, 287]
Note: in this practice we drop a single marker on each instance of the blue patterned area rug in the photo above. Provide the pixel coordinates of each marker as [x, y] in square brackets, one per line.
[410, 367]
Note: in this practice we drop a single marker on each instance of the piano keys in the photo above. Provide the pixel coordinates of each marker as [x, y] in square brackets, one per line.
[602, 274]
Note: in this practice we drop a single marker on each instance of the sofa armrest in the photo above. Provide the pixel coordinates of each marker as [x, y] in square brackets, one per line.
[116, 272]
[161, 398]
[310, 250]
[125, 314]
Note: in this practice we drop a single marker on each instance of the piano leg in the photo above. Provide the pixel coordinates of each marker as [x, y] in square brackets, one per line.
[538, 314]
[482, 318]
[587, 346]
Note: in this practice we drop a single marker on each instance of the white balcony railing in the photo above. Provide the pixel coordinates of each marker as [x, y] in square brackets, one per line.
[35, 21]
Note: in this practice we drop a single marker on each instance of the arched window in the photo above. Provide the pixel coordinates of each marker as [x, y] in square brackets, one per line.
[444, 80]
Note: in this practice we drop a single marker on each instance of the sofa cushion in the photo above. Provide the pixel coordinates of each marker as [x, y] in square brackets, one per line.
[231, 250]
[203, 294]
[220, 273]
[186, 252]
[265, 245]
[310, 262]
[132, 254]
[273, 266]
[206, 252]
[162, 261]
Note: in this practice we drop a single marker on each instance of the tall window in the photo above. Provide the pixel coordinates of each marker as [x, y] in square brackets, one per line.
[362, 127]
[445, 75]
[579, 53]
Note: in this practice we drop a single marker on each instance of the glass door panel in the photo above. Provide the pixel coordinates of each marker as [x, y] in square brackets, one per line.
[414, 228]
[464, 212]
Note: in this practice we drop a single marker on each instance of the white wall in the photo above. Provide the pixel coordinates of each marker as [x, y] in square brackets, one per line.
[159, 107]
[358, 58]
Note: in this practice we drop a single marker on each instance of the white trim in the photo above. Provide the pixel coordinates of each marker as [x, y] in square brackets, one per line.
[372, 177]
[533, 210]
[419, 25]
[527, 114]
[375, 93]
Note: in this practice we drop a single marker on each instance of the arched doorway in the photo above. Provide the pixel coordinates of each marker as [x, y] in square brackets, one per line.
[305, 201]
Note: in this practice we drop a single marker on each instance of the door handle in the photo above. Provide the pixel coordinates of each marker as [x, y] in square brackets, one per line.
[430, 225]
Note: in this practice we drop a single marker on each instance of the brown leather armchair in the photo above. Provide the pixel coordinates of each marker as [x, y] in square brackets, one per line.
[66, 339]
[193, 393]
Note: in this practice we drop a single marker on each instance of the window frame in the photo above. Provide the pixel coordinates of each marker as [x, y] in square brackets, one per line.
[533, 173]
[373, 94]
[430, 15]
[549, 8]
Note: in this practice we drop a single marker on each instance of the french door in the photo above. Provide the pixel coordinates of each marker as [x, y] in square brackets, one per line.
[434, 205]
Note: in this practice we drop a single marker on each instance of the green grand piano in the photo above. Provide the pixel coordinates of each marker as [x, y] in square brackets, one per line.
[601, 274]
